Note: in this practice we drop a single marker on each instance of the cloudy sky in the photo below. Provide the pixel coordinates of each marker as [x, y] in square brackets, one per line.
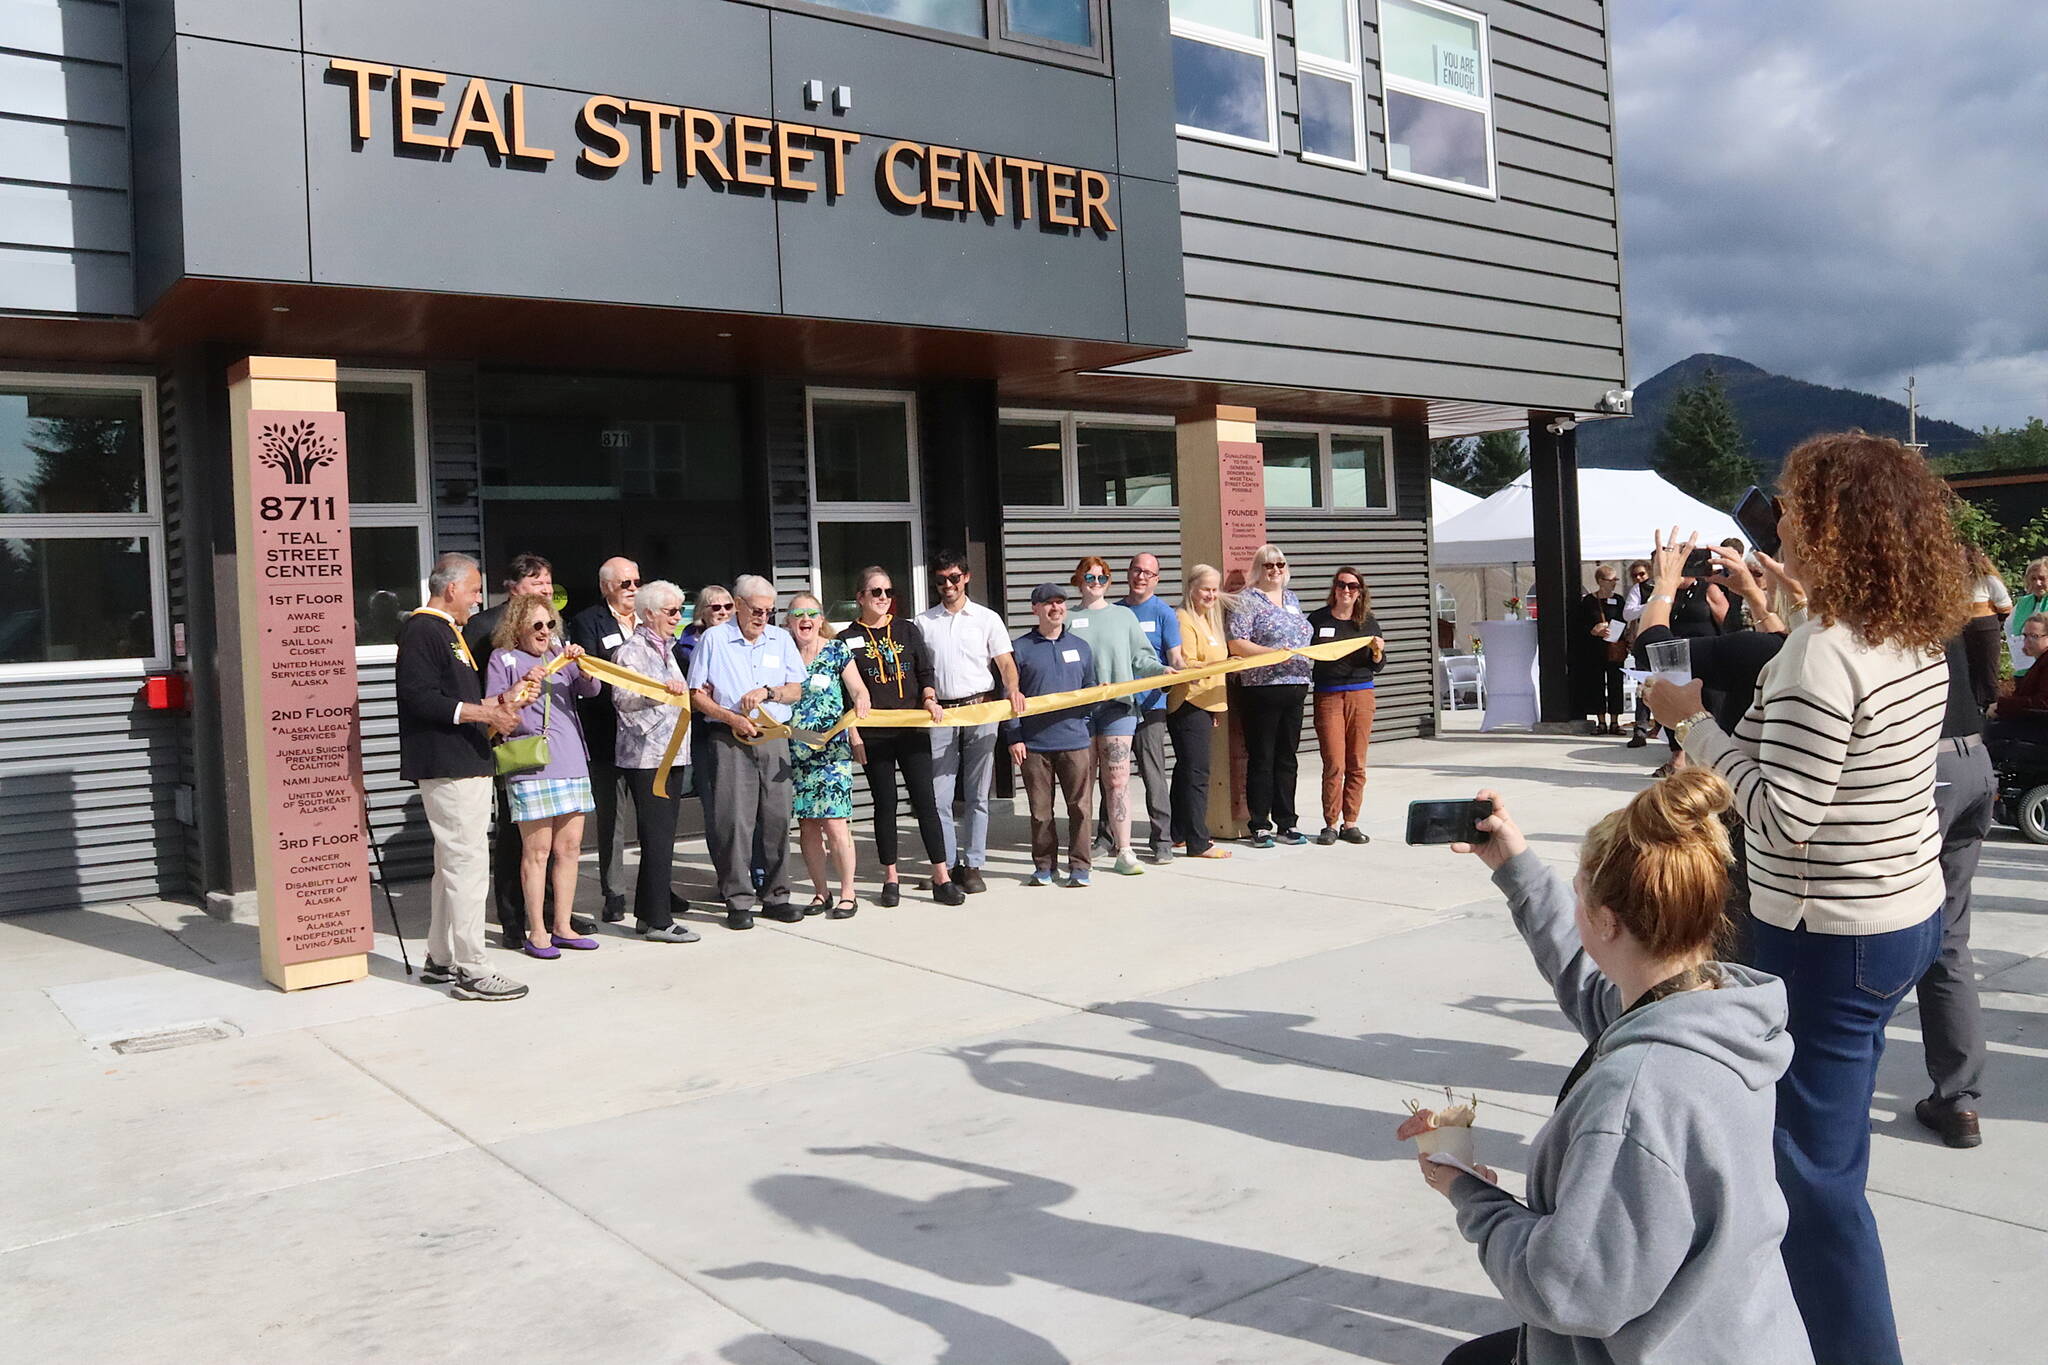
[1844, 191]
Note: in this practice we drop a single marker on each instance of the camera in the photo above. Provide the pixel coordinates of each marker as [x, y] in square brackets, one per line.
[1699, 564]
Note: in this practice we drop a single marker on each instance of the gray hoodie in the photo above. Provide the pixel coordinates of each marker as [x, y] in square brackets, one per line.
[1652, 1229]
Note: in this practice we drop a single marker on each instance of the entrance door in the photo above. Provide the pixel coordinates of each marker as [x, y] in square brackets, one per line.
[582, 468]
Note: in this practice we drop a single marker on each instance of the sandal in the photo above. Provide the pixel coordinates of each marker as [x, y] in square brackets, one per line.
[845, 909]
[817, 906]
[1213, 851]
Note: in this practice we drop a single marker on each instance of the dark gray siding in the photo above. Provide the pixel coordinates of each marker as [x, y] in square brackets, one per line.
[1306, 275]
[66, 240]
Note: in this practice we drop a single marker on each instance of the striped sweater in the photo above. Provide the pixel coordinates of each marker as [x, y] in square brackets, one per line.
[1833, 770]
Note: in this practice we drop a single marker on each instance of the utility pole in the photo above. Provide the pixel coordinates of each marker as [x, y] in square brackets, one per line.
[1912, 415]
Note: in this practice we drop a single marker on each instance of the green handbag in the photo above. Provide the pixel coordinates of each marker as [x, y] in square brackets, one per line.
[528, 752]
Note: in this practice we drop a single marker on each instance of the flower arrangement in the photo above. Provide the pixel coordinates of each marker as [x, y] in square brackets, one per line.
[1514, 608]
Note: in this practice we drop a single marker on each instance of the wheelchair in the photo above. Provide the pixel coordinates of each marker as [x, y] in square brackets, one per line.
[2022, 768]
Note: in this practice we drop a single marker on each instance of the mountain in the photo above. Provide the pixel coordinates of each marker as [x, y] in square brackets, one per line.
[1777, 413]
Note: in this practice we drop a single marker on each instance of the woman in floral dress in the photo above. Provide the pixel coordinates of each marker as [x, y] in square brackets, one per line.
[824, 777]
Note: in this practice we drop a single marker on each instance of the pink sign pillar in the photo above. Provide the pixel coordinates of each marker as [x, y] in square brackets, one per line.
[1222, 473]
[297, 651]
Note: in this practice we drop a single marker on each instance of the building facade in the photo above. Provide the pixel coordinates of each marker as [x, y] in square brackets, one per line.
[739, 285]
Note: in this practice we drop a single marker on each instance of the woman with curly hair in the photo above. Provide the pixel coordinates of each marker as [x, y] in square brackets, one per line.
[1833, 772]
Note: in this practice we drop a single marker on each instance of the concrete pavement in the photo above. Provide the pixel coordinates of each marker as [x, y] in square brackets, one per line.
[1150, 1123]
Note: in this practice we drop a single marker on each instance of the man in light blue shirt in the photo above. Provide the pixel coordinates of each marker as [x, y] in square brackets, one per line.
[743, 664]
[1148, 746]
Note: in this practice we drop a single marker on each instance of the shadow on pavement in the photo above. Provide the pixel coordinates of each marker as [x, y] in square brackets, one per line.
[972, 1337]
[999, 1233]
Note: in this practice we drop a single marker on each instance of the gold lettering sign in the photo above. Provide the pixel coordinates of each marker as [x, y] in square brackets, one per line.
[724, 149]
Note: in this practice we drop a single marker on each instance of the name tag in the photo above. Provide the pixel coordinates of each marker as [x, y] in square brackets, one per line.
[854, 640]
[1326, 631]
[508, 661]
[1070, 656]
[1151, 627]
[821, 681]
[1293, 610]
[771, 661]
[611, 641]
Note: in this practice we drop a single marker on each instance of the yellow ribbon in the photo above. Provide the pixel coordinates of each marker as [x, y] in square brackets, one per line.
[979, 713]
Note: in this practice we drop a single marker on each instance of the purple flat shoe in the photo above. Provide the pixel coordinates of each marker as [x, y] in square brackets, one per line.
[533, 949]
[581, 945]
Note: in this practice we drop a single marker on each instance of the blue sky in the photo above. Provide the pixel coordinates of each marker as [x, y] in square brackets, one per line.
[1845, 191]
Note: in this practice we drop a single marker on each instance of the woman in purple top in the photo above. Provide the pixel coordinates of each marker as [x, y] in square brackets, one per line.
[1263, 618]
[548, 803]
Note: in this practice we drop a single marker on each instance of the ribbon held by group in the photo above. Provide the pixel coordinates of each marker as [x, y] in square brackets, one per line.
[979, 713]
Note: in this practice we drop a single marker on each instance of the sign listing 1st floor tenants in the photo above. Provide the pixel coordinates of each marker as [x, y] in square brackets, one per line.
[296, 542]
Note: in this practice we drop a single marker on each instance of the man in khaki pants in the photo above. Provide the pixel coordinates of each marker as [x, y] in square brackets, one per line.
[444, 746]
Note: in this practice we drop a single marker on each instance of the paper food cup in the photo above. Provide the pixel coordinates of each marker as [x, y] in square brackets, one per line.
[1457, 1142]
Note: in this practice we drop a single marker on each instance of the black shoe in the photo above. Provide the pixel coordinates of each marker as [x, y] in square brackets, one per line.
[892, 894]
[785, 913]
[677, 905]
[949, 893]
[969, 880]
[1957, 1127]
[1636, 742]
[817, 906]
[583, 924]
[1291, 836]
[843, 910]
[437, 973]
[1328, 836]
[1352, 834]
[614, 909]
[739, 919]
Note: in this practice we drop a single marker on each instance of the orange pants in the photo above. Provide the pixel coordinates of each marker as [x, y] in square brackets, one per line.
[1343, 730]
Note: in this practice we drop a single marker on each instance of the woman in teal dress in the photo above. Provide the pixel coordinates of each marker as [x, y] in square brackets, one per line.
[824, 777]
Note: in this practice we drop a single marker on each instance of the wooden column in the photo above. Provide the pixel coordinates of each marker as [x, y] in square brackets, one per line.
[294, 653]
[1222, 521]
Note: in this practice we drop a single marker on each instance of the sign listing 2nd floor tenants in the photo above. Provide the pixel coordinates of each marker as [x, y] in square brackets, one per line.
[730, 149]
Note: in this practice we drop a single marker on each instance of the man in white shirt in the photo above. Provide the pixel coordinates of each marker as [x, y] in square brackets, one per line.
[1633, 599]
[970, 649]
[737, 666]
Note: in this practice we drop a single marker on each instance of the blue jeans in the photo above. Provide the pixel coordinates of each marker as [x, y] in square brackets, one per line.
[1842, 990]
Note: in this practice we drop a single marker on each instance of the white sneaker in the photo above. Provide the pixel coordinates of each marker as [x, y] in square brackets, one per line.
[1127, 863]
[489, 986]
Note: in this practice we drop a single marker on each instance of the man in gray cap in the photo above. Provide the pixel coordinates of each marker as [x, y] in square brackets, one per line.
[1058, 745]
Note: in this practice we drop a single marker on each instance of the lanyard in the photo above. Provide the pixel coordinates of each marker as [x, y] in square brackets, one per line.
[461, 645]
[1686, 980]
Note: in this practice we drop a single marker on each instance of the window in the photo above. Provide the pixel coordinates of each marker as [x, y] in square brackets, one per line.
[1439, 95]
[1340, 468]
[391, 520]
[951, 16]
[1064, 461]
[864, 495]
[1068, 23]
[82, 580]
[1223, 72]
[1330, 82]
[1119, 465]
[1031, 457]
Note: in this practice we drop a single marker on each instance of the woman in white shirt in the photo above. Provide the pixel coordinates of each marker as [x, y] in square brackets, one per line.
[1833, 772]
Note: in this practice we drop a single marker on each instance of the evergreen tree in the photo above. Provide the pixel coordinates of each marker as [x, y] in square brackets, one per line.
[1498, 459]
[1701, 450]
[1450, 459]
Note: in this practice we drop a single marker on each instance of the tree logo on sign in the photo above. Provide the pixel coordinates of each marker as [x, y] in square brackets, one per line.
[297, 450]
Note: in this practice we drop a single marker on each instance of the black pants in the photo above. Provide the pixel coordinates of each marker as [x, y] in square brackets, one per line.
[1193, 732]
[1983, 643]
[1272, 740]
[607, 786]
[654, 823]
[911, 751]
[1495, 1348]
[1951, 1026]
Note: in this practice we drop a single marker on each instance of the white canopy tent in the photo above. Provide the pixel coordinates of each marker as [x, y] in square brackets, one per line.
[1446, 501]
[1484, 555]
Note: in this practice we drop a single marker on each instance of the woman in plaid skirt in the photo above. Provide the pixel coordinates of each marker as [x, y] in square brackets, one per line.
[548, 803]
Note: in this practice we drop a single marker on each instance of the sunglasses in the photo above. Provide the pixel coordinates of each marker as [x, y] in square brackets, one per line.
[878, 592]
[1094, 578]
[1274, 564]
[545, 625]
[668, 611]
[804, 614]
[716, 606]
[1346, 585]
[951, 577]
[627, 583]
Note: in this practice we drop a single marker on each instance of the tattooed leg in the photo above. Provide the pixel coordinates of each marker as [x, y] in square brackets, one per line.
[1113, 757]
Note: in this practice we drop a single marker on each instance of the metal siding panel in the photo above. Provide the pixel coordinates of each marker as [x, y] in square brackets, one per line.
[64, 216]
[81, 29]
[241, 130]
[1141, 46]
[1248, 322]
[63, 154]
[1547, 158]
[65, 281]
[1539, 91]
[785, 431]
[269, 23]
[1217, 357]
[1155, 303]
[1586, 70]
[63, 91]
[455, 460]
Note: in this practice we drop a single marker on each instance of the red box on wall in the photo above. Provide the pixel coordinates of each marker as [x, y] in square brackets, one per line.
[165, 692]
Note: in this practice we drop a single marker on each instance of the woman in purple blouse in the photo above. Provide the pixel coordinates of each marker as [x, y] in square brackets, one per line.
[1262, 618]
[548, 803]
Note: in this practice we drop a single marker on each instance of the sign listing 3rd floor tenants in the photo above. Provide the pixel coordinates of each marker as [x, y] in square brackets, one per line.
[296, 539]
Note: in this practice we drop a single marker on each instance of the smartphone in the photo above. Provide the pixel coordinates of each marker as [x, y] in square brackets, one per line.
[1757, 516]
[1699, 564]
[1448, 822]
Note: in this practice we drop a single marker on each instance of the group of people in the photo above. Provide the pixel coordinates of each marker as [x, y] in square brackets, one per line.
[1737, 940]
[498, 712]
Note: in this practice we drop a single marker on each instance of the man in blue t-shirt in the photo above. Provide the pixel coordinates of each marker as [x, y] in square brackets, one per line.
[1162, 631]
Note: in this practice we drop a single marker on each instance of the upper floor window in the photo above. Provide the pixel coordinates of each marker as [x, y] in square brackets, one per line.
[82, 581]
[1060, 23]
[1223, 71]
[951, 16]
[1439, 92]
[1069, 23]
[1330, 82]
